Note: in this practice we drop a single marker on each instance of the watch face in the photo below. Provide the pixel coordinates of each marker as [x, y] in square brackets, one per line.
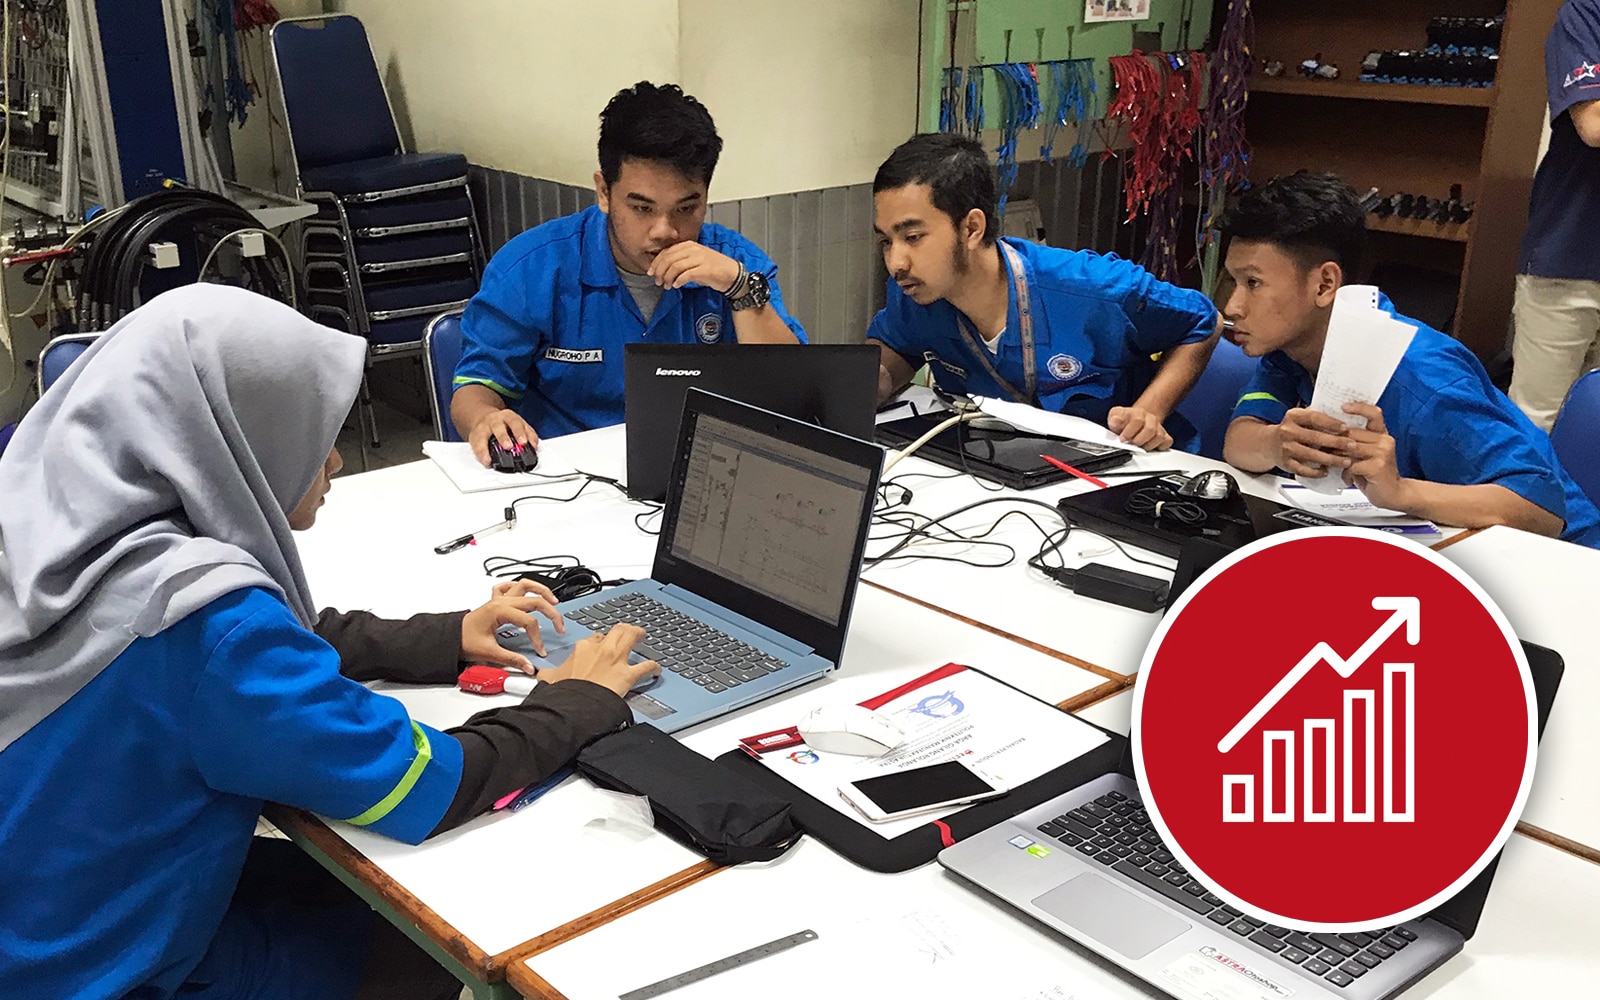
[757, 293]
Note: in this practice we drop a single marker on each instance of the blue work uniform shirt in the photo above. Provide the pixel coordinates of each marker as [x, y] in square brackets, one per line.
[1564, 214]
[548, 324]
[1096, 322]
[127, 812]
[1449, 423]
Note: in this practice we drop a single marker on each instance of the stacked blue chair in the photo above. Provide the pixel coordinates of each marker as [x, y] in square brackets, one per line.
[59, 354]
[394, 241]
[1576, 434]
[1209, 405]
[441, 350]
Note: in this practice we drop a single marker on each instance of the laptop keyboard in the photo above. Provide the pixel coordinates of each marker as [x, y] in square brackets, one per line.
[686, 646]
[1115, 831]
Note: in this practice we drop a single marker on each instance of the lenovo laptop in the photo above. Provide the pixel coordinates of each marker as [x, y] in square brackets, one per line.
[833, 385]
[756, 569]
[1139, 910]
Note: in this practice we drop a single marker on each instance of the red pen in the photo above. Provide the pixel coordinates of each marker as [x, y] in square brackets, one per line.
[1064, 467]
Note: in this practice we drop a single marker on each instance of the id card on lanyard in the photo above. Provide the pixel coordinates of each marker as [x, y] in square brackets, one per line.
[1030, 375]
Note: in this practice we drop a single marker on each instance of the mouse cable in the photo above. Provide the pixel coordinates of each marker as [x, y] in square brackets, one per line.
[1053, 543]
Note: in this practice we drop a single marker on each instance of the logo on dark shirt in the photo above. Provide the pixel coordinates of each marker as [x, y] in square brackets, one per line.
[1585, 71]
[575, 357]
[1064, 367]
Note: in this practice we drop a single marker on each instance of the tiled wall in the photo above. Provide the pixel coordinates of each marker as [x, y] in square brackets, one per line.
[829, 269]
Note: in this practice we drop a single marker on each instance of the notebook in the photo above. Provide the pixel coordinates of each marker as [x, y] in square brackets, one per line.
[756, 569]
[1131, 906]
[833, 385]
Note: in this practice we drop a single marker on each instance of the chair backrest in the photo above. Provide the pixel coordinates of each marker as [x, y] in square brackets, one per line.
[1576, 434]
[5, 436]
[1209, 405]
[336, 107]
[441, 349]
[59, 354]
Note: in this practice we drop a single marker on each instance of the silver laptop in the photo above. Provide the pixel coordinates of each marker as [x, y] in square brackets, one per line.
[756, 569]
[1108, 883]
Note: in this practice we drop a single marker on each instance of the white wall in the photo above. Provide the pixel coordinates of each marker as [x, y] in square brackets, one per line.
[806, 95]
[516, 84]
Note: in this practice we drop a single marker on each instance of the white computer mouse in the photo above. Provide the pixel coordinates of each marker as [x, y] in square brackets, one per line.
[850, 729]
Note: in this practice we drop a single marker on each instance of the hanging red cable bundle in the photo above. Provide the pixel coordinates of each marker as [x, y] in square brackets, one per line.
[1158, 103]
[248, 15]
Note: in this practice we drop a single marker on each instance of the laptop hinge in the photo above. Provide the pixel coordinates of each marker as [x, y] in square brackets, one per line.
[717, 611]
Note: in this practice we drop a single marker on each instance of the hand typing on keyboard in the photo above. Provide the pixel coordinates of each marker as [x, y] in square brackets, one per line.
[605, 660]
[683, 645]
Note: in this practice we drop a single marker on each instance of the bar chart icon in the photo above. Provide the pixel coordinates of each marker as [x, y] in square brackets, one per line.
[1356, 764]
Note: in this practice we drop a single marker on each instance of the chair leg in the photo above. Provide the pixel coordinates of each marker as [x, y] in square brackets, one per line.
[369, 416]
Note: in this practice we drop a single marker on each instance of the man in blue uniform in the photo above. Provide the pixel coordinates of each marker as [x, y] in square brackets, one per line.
[544, 335]
[1558, 289]
[1442, 442]
[1065, 330]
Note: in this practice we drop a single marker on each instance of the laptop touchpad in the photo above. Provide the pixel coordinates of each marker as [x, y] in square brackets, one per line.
[1112, 915]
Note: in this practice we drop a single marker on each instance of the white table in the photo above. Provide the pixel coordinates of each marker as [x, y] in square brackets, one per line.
[1550, 592]
[879, 935]
[372, 548]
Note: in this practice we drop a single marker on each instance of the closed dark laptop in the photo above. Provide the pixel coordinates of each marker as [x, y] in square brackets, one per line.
[1230, 523]
[833, 385]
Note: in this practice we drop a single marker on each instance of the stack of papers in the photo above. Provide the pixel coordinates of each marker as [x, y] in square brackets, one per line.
[1351, 505]
[1364, 347]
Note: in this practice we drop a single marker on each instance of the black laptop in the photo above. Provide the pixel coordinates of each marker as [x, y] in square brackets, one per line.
[1011, 458]
[833, 385]
[1229, 524]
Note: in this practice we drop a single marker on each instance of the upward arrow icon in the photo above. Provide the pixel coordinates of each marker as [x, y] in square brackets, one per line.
[1407, 612]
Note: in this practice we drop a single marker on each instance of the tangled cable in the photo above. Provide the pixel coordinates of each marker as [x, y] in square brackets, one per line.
[1158, 104]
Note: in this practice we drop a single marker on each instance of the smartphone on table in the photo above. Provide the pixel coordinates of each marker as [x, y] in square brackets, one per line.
[924, 789]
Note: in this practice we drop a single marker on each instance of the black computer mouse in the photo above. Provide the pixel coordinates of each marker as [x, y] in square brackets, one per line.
[524, 459]
[1213, 484]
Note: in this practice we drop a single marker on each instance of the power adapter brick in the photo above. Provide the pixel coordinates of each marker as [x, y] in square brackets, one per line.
[1113, 585]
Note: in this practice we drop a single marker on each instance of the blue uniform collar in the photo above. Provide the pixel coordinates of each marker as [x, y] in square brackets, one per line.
[598, 268]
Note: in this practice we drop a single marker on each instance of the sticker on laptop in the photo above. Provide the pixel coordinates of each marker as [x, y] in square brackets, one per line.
[1210, 974]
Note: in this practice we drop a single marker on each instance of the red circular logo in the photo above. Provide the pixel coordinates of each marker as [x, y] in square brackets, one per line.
[1335, 729]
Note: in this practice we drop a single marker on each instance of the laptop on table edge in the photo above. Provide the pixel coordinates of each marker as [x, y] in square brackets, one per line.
[762, 535]
[1146, 931]
[832, 385]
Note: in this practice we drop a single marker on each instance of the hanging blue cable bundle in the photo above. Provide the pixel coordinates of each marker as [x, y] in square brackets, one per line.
[239, 97]
[972, 105]
[950, 100]
[1071, 90]
[1084, 90]
[1019, 109]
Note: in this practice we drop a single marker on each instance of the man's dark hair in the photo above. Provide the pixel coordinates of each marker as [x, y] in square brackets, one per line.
[955, 167]
[1311, 217]
[647, 122]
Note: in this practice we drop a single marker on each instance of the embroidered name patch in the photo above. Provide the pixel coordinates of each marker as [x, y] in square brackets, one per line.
[575, 357]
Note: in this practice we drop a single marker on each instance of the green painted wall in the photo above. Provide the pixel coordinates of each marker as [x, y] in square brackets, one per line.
[1024, 18]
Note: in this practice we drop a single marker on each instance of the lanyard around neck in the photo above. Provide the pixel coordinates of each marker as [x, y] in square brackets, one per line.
[969, 334]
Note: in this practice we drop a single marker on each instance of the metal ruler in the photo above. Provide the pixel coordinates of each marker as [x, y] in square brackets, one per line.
[720, 965]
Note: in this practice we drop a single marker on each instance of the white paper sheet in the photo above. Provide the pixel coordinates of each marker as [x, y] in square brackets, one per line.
[1351, 505]
[1363, 349]
[967, 714]
[455, 458]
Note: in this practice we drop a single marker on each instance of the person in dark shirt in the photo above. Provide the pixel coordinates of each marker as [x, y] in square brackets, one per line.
[163, 672]
[1558, 290]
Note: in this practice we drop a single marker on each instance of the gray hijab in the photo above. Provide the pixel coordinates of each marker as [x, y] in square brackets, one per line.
[156, 476]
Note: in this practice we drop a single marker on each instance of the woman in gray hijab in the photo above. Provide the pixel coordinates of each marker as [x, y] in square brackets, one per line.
[163, 671]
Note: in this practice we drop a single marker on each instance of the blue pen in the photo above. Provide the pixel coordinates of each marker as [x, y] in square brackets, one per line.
[534, 791]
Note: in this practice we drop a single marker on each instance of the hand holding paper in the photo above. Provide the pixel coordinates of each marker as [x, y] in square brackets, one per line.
[1362, 351]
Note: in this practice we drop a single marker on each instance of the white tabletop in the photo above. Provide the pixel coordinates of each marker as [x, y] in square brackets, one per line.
[926, 933]
[1550, 592]
[372, 548]
[1114, 713]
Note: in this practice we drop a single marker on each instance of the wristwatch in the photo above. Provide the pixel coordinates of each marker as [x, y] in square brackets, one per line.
[754, 294]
